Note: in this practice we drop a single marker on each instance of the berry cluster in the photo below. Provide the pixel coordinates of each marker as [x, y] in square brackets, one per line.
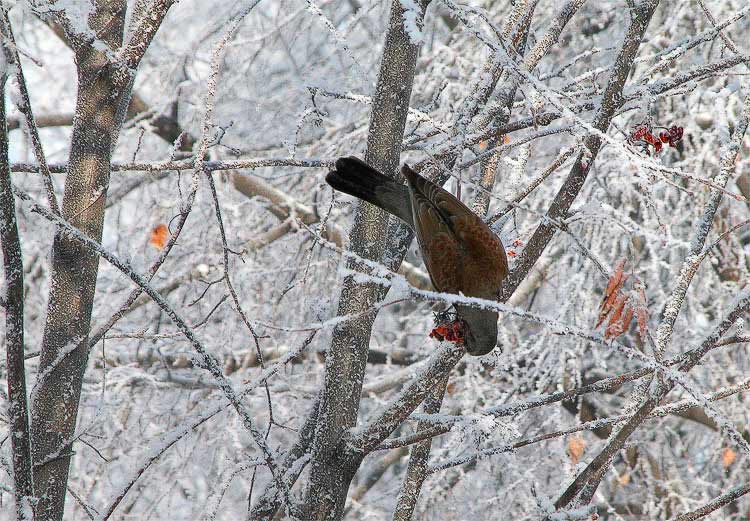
[644, 133]
[450, 331]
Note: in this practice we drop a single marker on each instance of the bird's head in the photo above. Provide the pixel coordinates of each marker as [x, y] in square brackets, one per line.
[480, 334]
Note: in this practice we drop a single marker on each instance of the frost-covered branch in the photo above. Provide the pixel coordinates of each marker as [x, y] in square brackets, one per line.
[206, 359]
[659, 412]
[141, 36]
[572, 186]
[715, 504]
[416, 471]
[189, 164]
[587, 481]
[368, 436]
[24, 105]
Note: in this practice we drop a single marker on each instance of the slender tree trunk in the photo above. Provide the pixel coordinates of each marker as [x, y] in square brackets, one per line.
[416, 471]
[14, 328]
[332, 468]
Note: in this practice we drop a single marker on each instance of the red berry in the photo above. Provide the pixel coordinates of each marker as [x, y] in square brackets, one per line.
[640, 131]
[675, 135]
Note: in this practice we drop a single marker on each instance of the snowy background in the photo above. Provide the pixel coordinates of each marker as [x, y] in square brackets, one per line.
[295, 82]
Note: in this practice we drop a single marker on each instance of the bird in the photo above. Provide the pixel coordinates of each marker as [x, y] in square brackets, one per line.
[461, 253]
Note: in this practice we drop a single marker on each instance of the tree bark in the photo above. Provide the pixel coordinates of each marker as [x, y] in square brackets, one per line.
[104, 87]
[64, 352]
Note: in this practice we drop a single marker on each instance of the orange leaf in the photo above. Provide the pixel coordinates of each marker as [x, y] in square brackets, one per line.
[506, 139]
[728, 456]
[159, 236]
[627, 318]
[616, 280]
[483, 144]
[576, 447]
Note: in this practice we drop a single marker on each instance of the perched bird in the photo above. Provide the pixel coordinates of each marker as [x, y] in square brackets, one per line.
[462, 254]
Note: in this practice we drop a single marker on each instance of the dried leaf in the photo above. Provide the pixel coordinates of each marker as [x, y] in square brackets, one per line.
[626, 318]
[728, 456]
[616, 280]
[612, 292]
[642, 318]
[624, 479]
[159, 236]
[483, 144]
[614, 328]
[576, 448]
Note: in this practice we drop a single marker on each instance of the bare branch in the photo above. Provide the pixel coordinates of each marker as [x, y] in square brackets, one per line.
[416, 472]
[11, 56]
[141, 36]
[577, 176]
[715, 504]
[207, 360]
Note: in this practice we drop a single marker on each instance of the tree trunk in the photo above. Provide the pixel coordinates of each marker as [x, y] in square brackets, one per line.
[416, 471]
[14, 328]
[101, 103]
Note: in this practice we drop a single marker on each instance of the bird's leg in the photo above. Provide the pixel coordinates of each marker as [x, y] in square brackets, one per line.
[445, 316]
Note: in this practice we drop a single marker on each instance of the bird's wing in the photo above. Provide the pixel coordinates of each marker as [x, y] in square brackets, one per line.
[445, 204]
[453, 237]
[441, 251]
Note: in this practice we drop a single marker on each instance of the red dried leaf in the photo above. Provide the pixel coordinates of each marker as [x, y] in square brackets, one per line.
[614, 286]
[617, 279]
[627, 317]
[615, 327]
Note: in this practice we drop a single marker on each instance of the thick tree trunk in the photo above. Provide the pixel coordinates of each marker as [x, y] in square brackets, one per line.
[332, 467]
[101, 103]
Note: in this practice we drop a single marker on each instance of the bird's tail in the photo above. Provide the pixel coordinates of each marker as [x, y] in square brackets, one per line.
[355, 177]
